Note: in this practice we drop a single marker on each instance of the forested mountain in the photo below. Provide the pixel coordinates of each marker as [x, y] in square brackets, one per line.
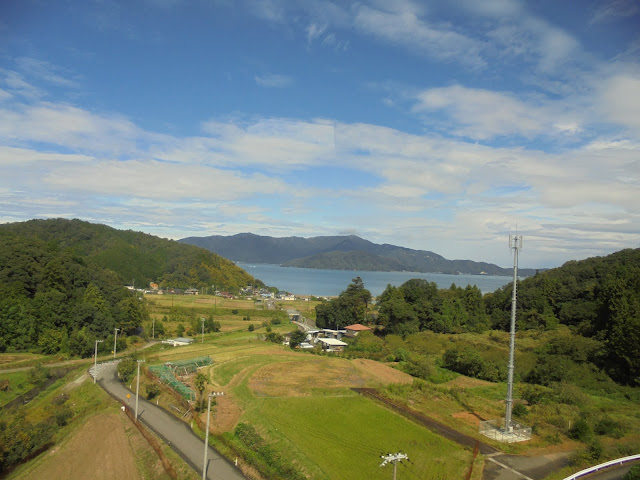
[597, 298]
[339, 252]
[62, 282]
[136, 256]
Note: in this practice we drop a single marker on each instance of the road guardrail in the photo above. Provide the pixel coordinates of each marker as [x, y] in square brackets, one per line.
[590, 470]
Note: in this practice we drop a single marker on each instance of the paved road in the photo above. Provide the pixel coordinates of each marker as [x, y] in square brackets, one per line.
[173, 431]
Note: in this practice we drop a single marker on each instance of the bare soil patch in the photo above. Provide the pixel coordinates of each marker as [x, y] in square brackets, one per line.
[100, 450]
[304, 377]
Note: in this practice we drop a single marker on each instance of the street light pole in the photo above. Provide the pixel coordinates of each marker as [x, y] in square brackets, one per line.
[115, 338]
[206, 434]
[138, 388]
[95, 361]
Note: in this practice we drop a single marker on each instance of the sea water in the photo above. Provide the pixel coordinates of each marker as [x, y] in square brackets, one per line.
[330, 283]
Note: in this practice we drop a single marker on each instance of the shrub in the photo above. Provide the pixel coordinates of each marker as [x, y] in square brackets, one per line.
[401, 355]
[536, 394]
[38, 374]
[609, 427]
[581, 431]
[153, 390]
[274, 337]
[251, 327]
[235, 312]
[63, 415]
[633, 473]
[519, 410]
[126, 369]
[419, 367]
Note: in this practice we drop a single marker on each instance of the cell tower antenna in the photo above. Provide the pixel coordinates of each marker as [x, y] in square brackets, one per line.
[515, 243]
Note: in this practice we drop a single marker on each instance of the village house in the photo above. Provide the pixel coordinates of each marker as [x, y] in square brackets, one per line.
[332, 345]
[176, 342]
[355, 329]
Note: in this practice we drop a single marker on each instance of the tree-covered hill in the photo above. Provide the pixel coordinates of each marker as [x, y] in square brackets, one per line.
[597, 299]
[62, 282]
[135, 256]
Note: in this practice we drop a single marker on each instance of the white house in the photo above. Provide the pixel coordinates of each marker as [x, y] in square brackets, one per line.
[332, 345]
[178, 341]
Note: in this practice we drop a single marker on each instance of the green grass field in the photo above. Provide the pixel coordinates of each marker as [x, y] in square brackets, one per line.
[343, 437]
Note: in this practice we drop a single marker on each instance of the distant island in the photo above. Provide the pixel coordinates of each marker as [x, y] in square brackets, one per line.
[348, 252]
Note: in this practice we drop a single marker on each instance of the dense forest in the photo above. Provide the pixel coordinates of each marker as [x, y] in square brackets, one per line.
[137, 257]
[62, 282]
[598, 299]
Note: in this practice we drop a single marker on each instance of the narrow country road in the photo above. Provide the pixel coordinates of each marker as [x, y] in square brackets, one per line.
[173, 431]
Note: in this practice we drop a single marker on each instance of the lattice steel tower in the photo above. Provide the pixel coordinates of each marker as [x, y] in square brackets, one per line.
[515, 243]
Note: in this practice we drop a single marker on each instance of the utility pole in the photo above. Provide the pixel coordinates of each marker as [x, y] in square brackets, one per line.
[95, 361]
[202, 330]
[206, 434]
[393, 458]
[153, 328]
[515, 243]
[138, 388]
[115, 338]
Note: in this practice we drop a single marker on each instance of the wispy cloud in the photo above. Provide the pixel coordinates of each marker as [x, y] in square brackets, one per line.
[609, 10]
[47, 72]
[484, 114]
[405, 28]
[273, 80]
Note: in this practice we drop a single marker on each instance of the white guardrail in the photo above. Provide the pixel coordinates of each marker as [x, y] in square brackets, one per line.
[590, 470]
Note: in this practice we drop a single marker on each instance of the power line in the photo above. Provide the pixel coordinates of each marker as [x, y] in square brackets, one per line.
[393, 458]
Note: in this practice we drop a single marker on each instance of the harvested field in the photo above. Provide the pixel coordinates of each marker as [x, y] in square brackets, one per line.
[102, 449]
[303, 378]
[10, 358]
[224, 415]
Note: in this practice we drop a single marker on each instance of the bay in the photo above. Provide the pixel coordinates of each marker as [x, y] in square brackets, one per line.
[330, 283]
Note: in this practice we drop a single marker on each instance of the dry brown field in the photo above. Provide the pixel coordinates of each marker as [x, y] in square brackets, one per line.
[104, 448]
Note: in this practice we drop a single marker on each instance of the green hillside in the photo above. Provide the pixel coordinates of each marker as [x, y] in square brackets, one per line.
[62, 282]
[135, 256]
[597, 299]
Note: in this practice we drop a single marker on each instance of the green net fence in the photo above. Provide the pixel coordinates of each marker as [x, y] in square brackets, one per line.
[169, 372]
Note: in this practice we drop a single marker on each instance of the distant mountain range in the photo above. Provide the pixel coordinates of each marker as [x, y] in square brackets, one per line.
[340, 253]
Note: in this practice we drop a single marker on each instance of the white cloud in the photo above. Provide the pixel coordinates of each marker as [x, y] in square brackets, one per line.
[404, 27]
[273, 80]
[609, 10]
[483, 114]
[68, 126]
[157, 180]
[16, 84]
[106, 167]
[315, 31]
[46, 71]
[621, 101]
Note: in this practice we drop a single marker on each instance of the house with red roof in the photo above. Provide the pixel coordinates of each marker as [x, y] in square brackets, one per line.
[355, 329]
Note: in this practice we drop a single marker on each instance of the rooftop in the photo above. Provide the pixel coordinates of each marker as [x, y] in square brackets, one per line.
[356, 326]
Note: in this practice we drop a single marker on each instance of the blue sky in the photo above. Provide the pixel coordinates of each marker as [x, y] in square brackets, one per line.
[432, 125]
